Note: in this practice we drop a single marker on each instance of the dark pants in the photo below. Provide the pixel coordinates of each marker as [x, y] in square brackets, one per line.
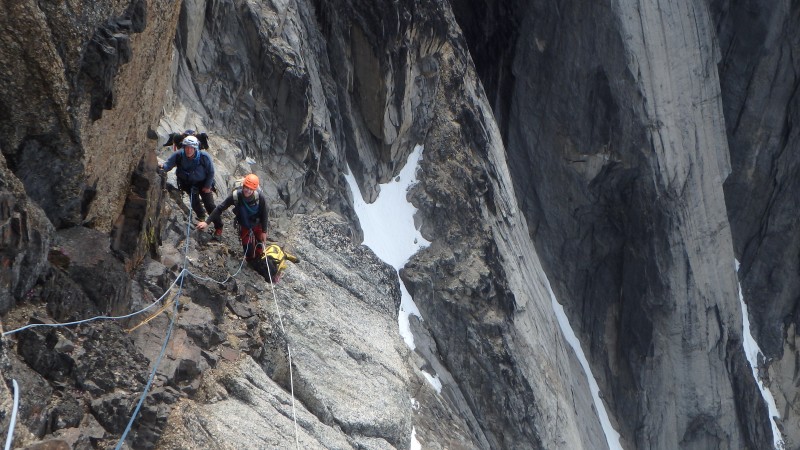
[196, 195]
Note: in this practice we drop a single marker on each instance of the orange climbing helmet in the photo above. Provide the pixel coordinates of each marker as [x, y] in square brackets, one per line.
[250, 181]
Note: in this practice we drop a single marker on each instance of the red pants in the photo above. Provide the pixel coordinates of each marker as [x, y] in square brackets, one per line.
[250, 242]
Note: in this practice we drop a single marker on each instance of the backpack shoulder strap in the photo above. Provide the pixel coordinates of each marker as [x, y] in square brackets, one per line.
[237, 195]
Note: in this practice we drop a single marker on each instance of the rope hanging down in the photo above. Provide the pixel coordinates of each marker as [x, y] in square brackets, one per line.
[169, 330]
[152, 376]
[289, 353]
[13, 423]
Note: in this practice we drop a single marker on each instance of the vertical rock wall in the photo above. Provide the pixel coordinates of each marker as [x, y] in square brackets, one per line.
[481, 289]
[303, 89]
[615, 141]
[79, 89]
[758, 75]
[617, 147]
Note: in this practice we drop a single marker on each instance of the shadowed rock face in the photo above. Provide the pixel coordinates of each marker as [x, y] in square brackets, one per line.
[759, 87]
[76, 94]
[618, 160]
[586, 142]
[24, 241]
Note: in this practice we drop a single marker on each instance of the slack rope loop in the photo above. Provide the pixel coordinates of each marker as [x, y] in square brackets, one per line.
[178, 278]
[78, 322]
[230, 277]
[13, 423]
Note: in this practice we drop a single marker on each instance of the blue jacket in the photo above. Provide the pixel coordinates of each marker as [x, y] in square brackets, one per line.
[195, 171]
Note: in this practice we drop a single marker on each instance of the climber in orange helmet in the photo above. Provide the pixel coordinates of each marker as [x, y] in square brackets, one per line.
[252, 216]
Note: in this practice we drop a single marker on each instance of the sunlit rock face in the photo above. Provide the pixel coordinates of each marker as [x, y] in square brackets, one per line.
[600, 150]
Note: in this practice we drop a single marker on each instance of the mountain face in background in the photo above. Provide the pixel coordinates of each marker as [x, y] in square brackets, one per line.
[619, 158]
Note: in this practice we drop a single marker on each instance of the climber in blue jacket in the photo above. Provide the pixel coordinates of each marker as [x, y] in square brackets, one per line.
[195, 174]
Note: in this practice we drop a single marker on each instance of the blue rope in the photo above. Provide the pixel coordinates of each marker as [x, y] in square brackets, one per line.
[13, 423]
[169, 330]
[152, 375]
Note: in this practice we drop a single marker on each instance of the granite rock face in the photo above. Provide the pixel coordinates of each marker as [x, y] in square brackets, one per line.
[24, 241]
[618, 149]
[614, 158]
[75, 117]
[334, 315]
[760, 105]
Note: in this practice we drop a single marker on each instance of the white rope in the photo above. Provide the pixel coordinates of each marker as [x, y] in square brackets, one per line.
[289, 353]
[13, 423]
[202, 278]
[244, 258]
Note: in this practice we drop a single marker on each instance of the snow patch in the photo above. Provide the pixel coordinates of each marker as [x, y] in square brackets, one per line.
[388, 225]
[612, 436]
[752, 350]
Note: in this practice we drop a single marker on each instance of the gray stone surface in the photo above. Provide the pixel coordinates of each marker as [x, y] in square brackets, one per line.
[617, 146]
[24, 242]
[612, 132]
[84, 106]
[760, 105]
[349, 376]
[481, 288]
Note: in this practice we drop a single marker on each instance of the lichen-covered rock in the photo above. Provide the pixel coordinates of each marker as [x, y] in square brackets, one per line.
[80, 88]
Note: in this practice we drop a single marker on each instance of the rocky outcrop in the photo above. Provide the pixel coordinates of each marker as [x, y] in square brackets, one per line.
[347, 385]
[255, 75]
[75, 133]
[25, 236]
[227, 355]
[481, 289]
